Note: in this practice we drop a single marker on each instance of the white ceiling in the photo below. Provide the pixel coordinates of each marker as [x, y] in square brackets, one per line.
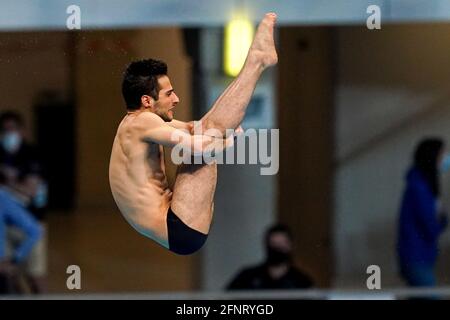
[51, 14]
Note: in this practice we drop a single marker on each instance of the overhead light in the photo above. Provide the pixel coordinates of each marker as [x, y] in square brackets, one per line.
[238, 38]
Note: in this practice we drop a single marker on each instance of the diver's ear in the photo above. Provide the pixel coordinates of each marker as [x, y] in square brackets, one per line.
[147, 101]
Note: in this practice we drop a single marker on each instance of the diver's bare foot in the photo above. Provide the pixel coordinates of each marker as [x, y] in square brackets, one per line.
[263, 47]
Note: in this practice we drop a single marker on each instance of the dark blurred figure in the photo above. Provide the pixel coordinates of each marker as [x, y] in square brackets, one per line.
[422, 219]
[13, 213]
[278, 270]
[20, 158]
[15, 152]
[17, 155]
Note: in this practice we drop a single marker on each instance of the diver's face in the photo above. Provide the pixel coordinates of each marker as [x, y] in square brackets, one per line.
[167, 99]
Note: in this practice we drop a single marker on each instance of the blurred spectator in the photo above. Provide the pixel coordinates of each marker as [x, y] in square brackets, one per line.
[278, 270]
[421, 219]
[13, 213]
[35, 265]
[16, 153]
[20, 158]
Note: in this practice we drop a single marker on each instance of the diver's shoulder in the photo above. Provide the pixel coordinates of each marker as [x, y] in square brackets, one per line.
[145, 120]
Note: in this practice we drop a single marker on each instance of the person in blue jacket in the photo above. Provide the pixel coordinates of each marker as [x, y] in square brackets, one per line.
[14, 213]
[421, 219]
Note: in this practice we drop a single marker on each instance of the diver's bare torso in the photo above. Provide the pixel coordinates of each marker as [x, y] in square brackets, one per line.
[138, 180]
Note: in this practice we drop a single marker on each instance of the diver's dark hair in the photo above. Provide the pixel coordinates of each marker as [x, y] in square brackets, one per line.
[141, 78]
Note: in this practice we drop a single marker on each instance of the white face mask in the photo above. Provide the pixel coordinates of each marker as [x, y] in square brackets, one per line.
[40, 199]
[11, 141]
[445, 163]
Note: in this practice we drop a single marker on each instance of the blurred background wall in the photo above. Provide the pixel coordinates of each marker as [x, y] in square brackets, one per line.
[391, 90]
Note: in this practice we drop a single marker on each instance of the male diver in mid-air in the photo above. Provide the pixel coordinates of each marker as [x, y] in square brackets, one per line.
[180, 219]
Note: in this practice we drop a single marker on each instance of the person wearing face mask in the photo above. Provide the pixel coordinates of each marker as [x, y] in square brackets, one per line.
[278, 270]
[19, 158]
[422, 219]
[14, 151]
[17, 155]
